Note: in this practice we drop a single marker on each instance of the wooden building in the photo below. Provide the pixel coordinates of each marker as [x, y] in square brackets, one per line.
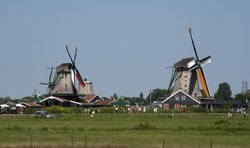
[180, 99]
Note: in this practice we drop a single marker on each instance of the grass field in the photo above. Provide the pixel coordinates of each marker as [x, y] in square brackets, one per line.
[127, 130]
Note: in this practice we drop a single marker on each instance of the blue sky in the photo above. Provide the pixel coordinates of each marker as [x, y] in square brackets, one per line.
[123, 46]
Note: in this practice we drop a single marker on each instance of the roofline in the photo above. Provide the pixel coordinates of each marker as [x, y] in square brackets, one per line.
[52, 97]
[26, 104]
[119, 99]
[75, 102]
[58, 99]
[185, 94]
[94, 97]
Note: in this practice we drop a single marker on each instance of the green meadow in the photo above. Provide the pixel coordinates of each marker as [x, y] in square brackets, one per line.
[110, 130]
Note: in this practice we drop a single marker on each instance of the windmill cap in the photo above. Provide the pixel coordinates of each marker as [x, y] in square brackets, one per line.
[183, 64]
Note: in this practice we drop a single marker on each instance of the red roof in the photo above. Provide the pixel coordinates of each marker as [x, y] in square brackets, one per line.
[30, 104]
[103, 102]
[88, 98]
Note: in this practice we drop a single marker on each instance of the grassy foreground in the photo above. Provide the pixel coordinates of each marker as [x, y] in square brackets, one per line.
[127, 130]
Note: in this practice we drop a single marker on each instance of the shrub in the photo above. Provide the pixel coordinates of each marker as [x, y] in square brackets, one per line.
[220, 110]
[75, 110]
[55, 109]
[197, 109]
[30, 110]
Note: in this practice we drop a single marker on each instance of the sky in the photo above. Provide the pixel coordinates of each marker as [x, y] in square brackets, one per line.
[123, 46]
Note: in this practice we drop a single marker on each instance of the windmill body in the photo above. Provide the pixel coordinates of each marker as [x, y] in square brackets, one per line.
[185, 79]
[63, 84]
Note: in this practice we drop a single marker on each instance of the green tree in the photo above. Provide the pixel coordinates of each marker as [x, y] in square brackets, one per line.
[243, 97]
[134, 100]
[157, 95]
[247, 95]
[115, 96]
[224, 92]
[141, 95]
[5, 100]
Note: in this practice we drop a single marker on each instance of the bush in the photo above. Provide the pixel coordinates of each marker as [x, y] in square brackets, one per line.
[106, 109]
[220, 110]
[55, 109]
[75, 110]
[197, 109]
[30, 110]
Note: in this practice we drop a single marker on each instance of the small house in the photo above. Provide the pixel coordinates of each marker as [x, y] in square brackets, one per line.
[119, 102]
[92, 98]
[180, 99]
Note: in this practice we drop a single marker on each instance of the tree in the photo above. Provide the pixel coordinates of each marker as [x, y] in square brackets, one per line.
[169, 91]
[243, 97]
[5, 100]
[224, 92]
[135, 100]
[115, 97]
[141, 95]
[157, 95]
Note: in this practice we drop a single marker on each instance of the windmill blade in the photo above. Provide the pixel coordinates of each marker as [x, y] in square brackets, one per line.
[75, 55]
[203, 81]
[78, 75]
[72, 61]
[52, 85]
[43, 83]
[192, 81]
[205, 61]
[74, 73]
[192, 65]
[178, 76]
[173, 75]
[190, 33]
[50, 74]
[73, 76]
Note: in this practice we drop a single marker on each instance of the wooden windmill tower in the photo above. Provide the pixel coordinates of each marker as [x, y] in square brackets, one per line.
[64, 82]
[186, 72]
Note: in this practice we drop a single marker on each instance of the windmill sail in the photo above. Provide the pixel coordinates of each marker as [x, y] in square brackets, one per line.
[198, 64]
[78, 75]
[203, 82]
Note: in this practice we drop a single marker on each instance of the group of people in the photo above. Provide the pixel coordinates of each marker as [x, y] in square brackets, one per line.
[231, 111]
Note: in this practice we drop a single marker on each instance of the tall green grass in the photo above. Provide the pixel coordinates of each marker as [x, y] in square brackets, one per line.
[126, 130]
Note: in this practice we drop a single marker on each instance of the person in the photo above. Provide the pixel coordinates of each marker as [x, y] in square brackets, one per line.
[116, 109]
[92, 114]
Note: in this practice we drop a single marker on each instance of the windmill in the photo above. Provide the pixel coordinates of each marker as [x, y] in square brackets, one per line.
[185, 74]
[64, 82]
